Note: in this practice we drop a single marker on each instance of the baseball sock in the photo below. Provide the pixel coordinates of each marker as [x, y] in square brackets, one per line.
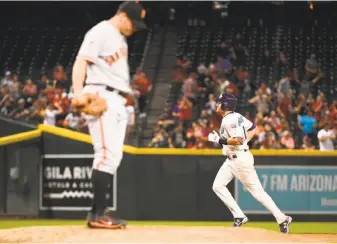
[100, 184]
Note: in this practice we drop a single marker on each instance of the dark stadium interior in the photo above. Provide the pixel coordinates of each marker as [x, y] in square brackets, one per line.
[276, 40]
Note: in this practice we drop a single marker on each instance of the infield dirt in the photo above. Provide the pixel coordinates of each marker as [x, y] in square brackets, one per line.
[154, 234]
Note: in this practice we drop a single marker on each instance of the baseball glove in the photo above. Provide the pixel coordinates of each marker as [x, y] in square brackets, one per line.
[90, 104]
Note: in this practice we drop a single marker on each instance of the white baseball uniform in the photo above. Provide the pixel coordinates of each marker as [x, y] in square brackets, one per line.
[328, 144]
[240, 164]
[106, 49]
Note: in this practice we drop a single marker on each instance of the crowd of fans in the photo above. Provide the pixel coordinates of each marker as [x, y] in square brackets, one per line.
[48, 101]
[290, 114]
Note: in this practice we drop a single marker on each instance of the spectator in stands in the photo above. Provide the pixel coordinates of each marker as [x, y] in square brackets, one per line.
[318, 106]
[4, 96]
[203, 117]
[61, 98]
[259, 135]
[190, 87]
[285, 124]
[15, 87]
[287, 141]
[176, 137]
[223, 66]
[168, 122]
[265, 90]
[301, 106]
[232, 89]
[259, 118]
[284, 107]
[305, 88]
[30, 89]
[6, 108]
[24, 114]
[307, 145]
[307, 124]
[185, 111]
[205, 130]
[60, 80]
[211, 68]
[261, 101]
[198, 134]
[44, 83]
[284, 85]
[74, 121]
[274, 121]
[19, 110]
[202, 69]
[221, 85]
[143, 84]
[333, 114]
[34, 112]
[313, 70]
[211, 104]
[326, 136]
[205, 86]
[324, 119]
[267, 133]
[175, 110]
[179, 73]
[240, 78]
[190, 138]
[295, 81]
[269, 142]
[310, 100]
[160, 140]
[51, 112]
[7, 80]
[184, 63]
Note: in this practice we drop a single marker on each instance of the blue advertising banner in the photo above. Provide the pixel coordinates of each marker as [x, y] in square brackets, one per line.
[295, 189]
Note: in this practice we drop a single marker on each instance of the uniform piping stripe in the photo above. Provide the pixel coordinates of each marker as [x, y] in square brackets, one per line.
[103, 140]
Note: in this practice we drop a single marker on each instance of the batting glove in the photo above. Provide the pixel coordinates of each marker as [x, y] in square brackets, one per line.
[213, 137]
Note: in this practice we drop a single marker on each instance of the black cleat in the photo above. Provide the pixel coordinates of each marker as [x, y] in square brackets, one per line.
[239, 221]
[285, 225]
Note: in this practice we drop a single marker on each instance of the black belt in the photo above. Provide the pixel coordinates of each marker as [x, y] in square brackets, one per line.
[234, 156]
[111, 89]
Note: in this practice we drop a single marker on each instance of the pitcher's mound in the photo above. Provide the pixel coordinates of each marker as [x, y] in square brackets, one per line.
[153, 234]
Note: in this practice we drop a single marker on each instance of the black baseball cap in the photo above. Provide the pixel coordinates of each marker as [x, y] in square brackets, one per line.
[135, 12]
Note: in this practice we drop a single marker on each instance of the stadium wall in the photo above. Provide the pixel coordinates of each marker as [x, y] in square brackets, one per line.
[49, 176]
[11, 127]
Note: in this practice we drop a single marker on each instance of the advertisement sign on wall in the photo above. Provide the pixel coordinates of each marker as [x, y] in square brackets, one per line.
[66, 183]
[295, 189]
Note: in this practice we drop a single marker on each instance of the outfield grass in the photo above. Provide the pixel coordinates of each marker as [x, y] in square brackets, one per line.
[296, 227]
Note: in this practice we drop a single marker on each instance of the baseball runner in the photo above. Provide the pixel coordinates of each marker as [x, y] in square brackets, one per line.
[100, 85]
[235, 132]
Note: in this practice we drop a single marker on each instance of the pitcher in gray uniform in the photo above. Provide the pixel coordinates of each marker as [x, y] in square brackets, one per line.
[102, 64]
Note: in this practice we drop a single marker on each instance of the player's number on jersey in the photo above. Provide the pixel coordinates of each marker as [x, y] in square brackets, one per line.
[240, 122]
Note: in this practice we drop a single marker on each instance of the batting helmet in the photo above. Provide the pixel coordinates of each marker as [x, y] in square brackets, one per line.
[228, 101]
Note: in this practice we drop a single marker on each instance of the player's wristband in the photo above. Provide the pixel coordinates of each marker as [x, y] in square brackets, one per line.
[223, 141]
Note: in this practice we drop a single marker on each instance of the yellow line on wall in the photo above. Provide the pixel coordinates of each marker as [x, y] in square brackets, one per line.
[78, 136]
[24, 136]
